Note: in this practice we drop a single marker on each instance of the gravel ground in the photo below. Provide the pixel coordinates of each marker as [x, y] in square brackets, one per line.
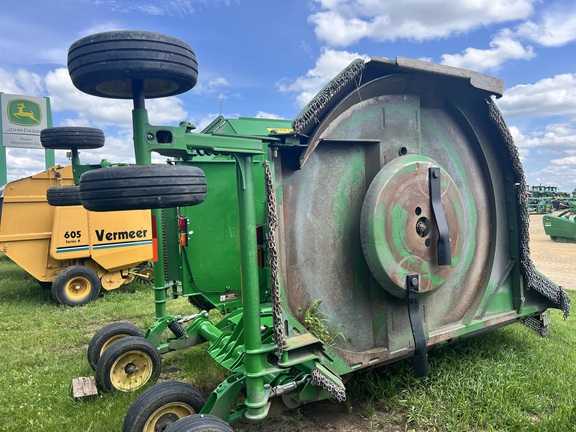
[555, 260]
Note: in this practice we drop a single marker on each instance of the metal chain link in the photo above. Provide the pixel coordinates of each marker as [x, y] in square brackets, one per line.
[310, 112]
[534, 279]
[337, 392]
[279, 337]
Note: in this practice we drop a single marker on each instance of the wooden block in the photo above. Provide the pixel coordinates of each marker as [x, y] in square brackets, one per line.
[84, 388]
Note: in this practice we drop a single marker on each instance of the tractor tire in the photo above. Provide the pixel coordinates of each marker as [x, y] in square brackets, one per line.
[128, 364]
[142, 187]
[75, 286]
[106, 336]
[200, 422]
[63, 196]
[162, 405]
[106, 64]
[66, 138]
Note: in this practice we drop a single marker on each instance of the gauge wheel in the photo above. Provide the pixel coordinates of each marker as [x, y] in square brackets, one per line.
[142, 187]
[128, 364]
[63, 196]
[75, 286]
[68, 137]
[107, 64]
[200, 422]
[106, 336]
[145, 272]
[161, 406]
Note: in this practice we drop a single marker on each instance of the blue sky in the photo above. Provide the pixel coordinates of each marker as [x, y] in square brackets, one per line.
[265, 58]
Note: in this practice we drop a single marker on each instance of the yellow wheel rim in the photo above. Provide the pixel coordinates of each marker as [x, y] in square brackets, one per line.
[78, 288]
[111, 341]
[131, 371]
[166, 415]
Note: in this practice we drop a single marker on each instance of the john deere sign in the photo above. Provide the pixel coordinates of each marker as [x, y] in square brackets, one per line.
[23, 117]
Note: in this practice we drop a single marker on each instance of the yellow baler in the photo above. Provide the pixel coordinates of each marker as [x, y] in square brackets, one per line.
[74, 251]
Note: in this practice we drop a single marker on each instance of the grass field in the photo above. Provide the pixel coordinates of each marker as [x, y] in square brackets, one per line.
[504, 380]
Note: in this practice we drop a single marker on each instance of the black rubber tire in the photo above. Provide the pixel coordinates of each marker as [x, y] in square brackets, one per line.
[200, 422]
[108, 335]
[162, 405]
[128, 365]
[75, 286]
[63, 196]
[105, 64]
[142, 187]
[66, 138]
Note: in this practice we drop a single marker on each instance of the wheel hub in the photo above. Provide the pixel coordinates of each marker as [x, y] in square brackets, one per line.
[399, 233]
[165, 421]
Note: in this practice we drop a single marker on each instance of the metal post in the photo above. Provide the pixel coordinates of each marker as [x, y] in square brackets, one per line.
[3, 168]
[256, 396]
[143, 157]
[139, 122]
[49, 158]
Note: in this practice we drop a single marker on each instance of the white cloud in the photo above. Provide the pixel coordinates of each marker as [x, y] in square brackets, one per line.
[563, 177]
[547, 97]
[21, 82]
[101, 112]
[554, 146]
[328, 65]
[556, 27]
[212, 87]
[267, 115]
[502, 49]
[558, 138]
[345, 22]
[567, 161]
[181, 8]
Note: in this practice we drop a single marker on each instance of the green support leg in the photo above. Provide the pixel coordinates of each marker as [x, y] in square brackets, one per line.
[257, 396]
[144, 157]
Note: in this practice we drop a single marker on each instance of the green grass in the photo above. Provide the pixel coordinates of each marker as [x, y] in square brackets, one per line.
[504, 380]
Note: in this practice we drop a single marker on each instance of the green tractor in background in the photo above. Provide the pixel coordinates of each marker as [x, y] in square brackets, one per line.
[387, 202]
[561, 227]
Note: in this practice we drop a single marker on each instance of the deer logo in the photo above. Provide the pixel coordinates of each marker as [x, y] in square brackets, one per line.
[21, 113]
[24, 112]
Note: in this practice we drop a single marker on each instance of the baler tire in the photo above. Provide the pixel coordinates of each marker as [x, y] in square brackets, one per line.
[108, 335]
[199, 422]
[142, 187]
[162, 405]
[128, 365]
[68, 137]
[76, 286]
[106, 64]
[63, 196]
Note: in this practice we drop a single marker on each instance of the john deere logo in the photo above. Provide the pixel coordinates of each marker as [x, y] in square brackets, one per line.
[24, 112]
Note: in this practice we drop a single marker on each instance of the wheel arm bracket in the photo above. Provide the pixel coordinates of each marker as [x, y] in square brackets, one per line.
[420, 356]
